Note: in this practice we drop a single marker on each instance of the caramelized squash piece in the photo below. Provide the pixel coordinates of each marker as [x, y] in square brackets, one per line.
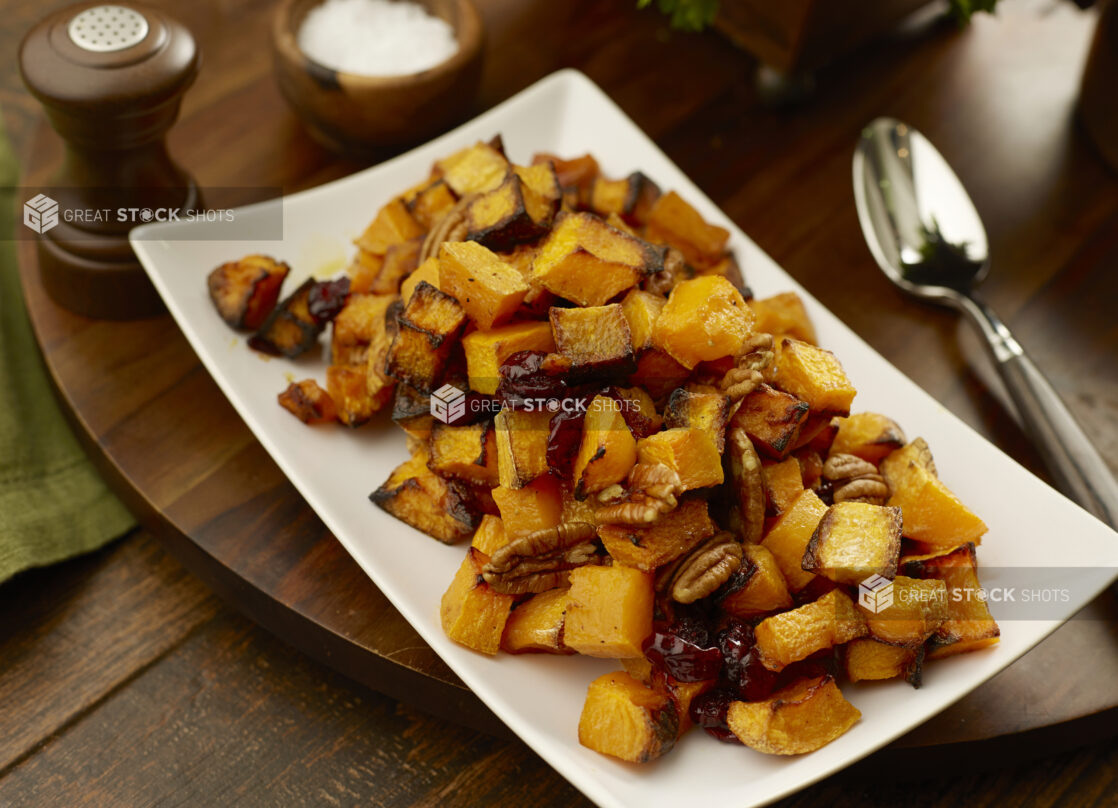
[624, 719]
[783, 483]
[968, 624]
[814, 375]
[363, 317]
[610, 611]
[348, 388]
[465, 452]
[853, 541]
[393, 224]
[705, 410]
[427, 272]
[658, 373]
[673, 221]
[915, 609]
[411, 411]
[486, 351]
[607, 451]
[427, 329]
[246, 291]
[869, 659]
[704, 319]
[595, 339]
[485, 286]
[511, 214]
[868, 435]
[290, 329]
[797, 634]
[536, 506]
[631, 198]
[308, 402]
[537, 624]
[472, 613]
[933, 515]
[665, 540]
[784, 315]
[772, 419]
[585, 260]
[788, 538]
[521, 446]
[577, 174]
[490, 535]
[797, 719]
[690, 452]
[764, 590]
[399, 261]
[417, 496]
[641, 310]
[364, 270]
[431, 203]
[473, 170]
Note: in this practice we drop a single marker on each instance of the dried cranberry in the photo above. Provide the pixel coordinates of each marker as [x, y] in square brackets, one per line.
[526, 375]
[563, 441]
[742, 669]
[691, 627]
[708, 710]
[682, 659]
[326, 299]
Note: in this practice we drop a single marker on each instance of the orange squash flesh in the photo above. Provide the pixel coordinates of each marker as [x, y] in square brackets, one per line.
[805, 716]
[764, 591]
[608, 450]
[472, 614]
[868, 435]
[610, 611]
[797, 634]
[536, 506]
[537, 624]
[704, 319]
[673, 534]
[789, 536]
[690, 452]
[624, 719]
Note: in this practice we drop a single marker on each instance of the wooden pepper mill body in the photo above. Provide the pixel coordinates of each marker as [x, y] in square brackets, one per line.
[111, 79]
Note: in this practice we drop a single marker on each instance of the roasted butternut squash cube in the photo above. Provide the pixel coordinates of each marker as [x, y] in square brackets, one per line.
[595, 339]
[798, 633]
[704, 319]
[784, 315]
[289, 329]
[473, 170]
[624, 719]
[490, 535]
[772, 419]
[363, 271]
[674, 222]
[665, 540]
[536, 506]
[800, 718]
[363, 317]
[689, 451]
[610, 611]
[658, 373]
[417, 496]
[308, 402]
[968, 624]
[521, 445]
[578, 172]
[465, 452]
[486, 351]
[245, 291]
[539, 184]
[484, 285]
[706, 410]
[427, 272]
[607, 451]
[348, 388]
[585, 260]
[764, 590]
[641, 310]
[783, 483]
[411, 411]
[788, 538]
[814, 375]
[427, 329]
[853, 541]
[537, 624]
[431, 203]
[399, 261]
[933, 515]
[871, 660]
[727, 267]
[868, 435]
[500, 218]
[638, 410]
[473, 614]
[817, 434]
[631, 198]
[393, 224]
[909, 614]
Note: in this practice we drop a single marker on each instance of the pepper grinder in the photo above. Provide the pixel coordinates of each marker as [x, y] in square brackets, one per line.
[110, 78]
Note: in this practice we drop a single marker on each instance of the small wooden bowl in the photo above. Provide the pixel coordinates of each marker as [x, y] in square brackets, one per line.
[360, 115]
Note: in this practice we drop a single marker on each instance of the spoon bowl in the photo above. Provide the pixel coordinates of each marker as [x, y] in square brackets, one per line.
[925, 234]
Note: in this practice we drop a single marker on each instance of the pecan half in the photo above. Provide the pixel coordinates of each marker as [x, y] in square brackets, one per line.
[746, 376]
[748, 515]
[654, 490]
[700, 572]
[451, 227]
[541, 560]
[855, 480]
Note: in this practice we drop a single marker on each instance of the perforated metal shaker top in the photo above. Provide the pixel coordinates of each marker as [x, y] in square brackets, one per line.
[108, 28]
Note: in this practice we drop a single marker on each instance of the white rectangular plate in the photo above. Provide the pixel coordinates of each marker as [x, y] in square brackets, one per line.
[540, 697]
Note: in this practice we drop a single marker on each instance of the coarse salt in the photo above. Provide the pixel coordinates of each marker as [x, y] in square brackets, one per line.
[376, 37]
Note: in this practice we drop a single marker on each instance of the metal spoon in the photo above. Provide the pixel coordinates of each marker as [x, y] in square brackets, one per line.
[927, 237]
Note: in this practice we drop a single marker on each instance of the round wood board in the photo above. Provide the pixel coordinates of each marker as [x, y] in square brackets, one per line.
[175, 450]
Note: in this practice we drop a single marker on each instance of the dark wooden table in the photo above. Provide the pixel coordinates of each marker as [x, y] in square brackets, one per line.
[135, 685]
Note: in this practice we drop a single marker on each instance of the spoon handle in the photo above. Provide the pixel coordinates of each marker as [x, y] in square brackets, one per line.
[1076, 466]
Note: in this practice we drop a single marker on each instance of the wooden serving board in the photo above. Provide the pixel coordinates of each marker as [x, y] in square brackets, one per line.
[172, 446]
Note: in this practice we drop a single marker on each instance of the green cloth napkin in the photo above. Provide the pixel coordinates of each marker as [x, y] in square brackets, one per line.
[52, 503]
